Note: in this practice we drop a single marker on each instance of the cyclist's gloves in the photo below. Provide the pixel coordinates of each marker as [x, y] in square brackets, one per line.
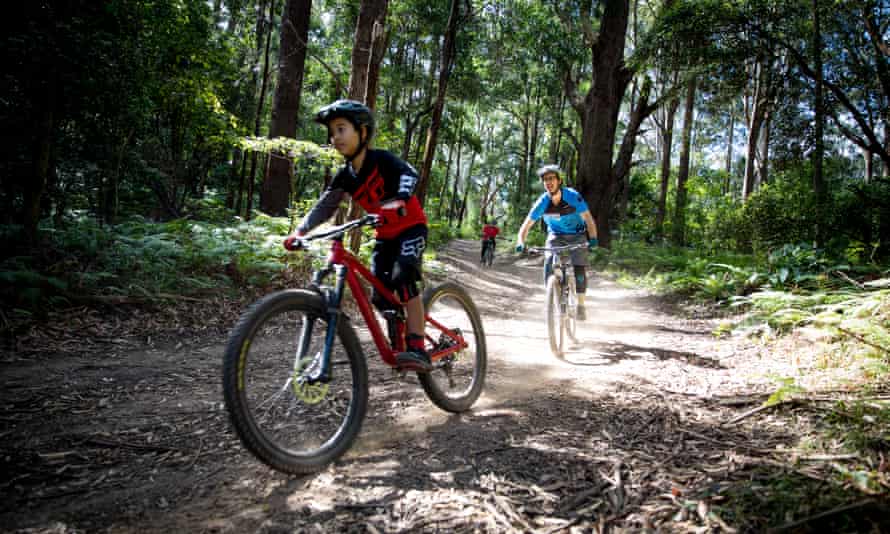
[592, 243]
[520, 247]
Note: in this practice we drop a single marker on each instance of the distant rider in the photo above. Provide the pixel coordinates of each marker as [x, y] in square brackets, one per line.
[489, 232]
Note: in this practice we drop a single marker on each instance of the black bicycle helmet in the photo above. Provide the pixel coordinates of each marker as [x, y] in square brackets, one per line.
[355, 112]
[548, 169]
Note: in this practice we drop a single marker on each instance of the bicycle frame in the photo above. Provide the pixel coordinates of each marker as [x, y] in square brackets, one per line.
[348, 268]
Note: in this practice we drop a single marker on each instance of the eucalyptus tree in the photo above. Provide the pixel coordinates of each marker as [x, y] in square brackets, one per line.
[276, 192]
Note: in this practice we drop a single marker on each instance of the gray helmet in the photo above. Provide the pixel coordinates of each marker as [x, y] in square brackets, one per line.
[355, 112]
[550, 168]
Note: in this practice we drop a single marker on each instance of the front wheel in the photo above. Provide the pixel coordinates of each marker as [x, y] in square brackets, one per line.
[456, 380]
[288, 423]
[571, 300]
[555, 323]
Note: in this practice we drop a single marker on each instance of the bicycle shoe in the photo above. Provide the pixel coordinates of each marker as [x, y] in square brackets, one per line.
[415, 358]
[417, 361]
[580, 313]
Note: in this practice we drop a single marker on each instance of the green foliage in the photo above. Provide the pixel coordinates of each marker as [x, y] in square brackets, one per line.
[146, 260]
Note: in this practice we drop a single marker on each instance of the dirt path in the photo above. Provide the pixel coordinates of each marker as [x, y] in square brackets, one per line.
[623, 435]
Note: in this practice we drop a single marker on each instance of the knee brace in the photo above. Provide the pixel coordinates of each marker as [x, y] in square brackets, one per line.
[548, 268]
[405, 277]
[580, 279]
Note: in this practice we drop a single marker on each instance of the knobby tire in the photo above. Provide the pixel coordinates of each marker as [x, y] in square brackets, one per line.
[441, 384]
[264, 435]
[555, 324]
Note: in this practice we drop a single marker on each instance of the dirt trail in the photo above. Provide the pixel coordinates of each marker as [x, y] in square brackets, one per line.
[136, 439]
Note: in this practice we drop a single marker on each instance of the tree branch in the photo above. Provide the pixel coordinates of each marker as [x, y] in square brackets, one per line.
[334, 74]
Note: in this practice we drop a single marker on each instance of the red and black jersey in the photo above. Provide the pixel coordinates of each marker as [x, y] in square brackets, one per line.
[383, 177]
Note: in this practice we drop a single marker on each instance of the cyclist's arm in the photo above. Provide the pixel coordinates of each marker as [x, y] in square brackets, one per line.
[523, 230]
[322, 211]
[591, 224]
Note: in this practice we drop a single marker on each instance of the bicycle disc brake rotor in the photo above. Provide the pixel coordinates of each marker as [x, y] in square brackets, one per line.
[306, 392]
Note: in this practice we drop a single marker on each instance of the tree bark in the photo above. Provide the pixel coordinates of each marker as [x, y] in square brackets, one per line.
[275, 194]
[667, 142]
[623, 162]
[43, 146]
[818, 108]
[679, 227]
[598, 111]
[731, 133]
[447, 62]
[758, 112]
[260, 64]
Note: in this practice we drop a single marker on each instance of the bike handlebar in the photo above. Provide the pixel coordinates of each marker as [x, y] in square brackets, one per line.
[560, 248]
[368, 220]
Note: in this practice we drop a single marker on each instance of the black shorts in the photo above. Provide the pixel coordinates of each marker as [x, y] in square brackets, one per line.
[397, 262]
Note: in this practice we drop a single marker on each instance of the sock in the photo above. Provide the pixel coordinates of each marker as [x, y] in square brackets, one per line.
[414, 342]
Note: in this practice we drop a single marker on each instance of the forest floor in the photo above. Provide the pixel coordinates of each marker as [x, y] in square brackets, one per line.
[651, 422]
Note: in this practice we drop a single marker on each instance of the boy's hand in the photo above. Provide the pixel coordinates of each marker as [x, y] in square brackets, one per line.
[520, 247]
[592, 243]
[293, 241]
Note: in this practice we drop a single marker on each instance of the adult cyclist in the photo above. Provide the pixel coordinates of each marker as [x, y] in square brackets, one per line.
[568, 222]
[489, 233]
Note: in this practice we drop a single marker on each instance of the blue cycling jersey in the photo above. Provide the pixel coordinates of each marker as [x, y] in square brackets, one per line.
[564, 218]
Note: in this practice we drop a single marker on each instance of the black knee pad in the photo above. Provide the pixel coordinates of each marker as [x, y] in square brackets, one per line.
[580, 278]
[404, 278]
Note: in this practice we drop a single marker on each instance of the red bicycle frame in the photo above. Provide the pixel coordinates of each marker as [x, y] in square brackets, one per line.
[340, 256]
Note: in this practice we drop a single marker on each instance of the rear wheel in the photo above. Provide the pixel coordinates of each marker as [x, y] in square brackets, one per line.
[457, 379]
[488, 257]
[287, 423]
[555, 323]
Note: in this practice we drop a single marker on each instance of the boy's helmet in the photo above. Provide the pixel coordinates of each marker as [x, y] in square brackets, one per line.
[355, 112]
[548, 169]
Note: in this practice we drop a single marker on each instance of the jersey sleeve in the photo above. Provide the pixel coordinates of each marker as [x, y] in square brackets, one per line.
[537, 210]
[577, 201]
[322, 210]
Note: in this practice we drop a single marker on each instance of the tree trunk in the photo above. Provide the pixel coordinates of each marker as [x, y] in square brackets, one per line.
[275, 194]
[758, 111]
[679, 228]
[440, 200]
[261, 64]
[598, 111]
[763, 150]
[819, 121]
[452, 207]
[371, 12]
[667, 142]
[43, 146]
[729, 142]
[624, 161]
[447, 62]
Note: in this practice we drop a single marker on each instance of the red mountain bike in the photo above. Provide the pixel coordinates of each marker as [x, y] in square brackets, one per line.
[295, 379]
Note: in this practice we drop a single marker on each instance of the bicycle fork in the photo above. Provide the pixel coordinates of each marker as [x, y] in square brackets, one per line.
[320, 369]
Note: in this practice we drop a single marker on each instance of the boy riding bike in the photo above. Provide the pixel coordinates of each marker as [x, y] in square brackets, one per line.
[489, 233]
[568, 222]
[381, 184]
